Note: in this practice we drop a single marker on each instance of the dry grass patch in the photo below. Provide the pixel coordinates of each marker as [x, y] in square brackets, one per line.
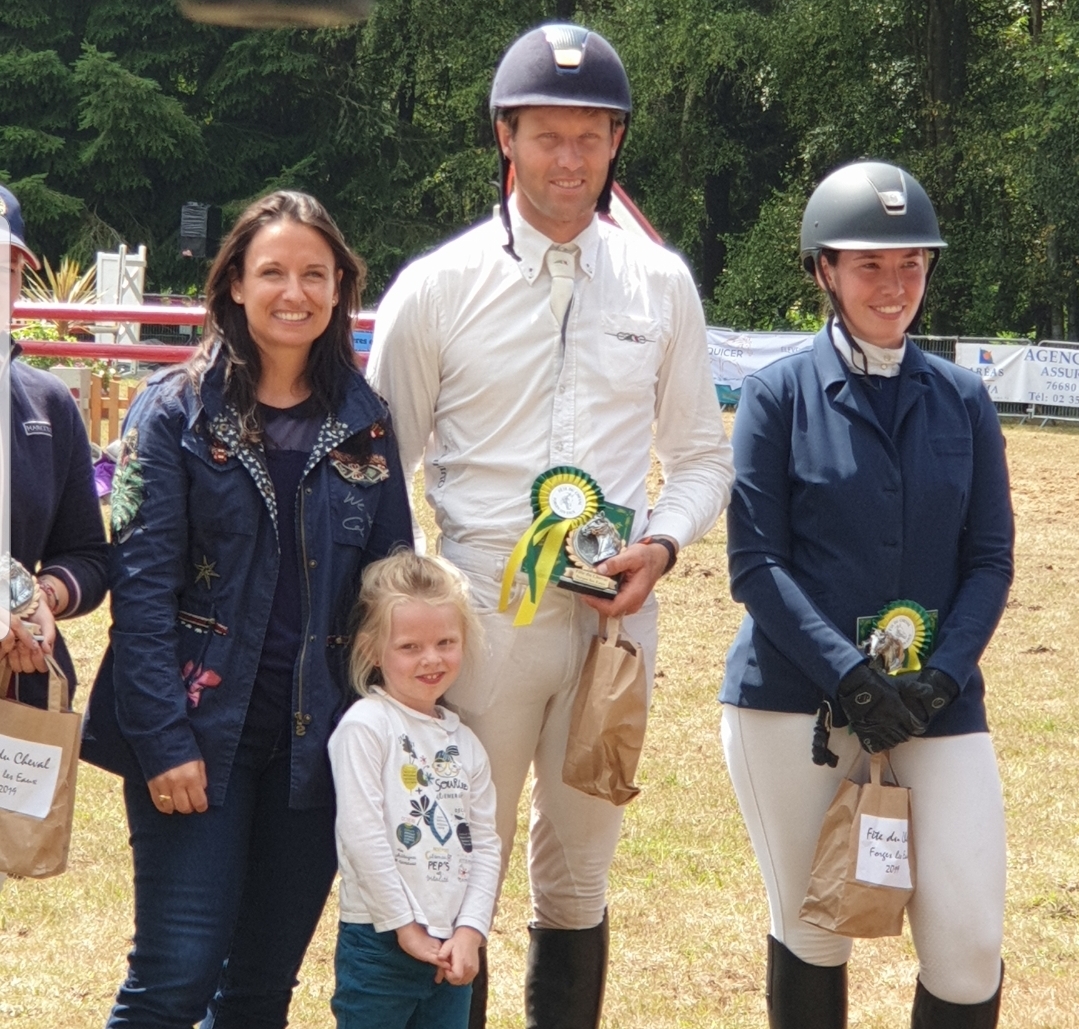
[687, 905]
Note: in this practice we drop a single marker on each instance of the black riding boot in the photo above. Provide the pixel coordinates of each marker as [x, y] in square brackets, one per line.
[804, 996]
[567, 971]
[477, 1012]
[931, 1012]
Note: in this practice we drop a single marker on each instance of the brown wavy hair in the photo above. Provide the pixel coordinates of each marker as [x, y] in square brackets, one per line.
[331, 357]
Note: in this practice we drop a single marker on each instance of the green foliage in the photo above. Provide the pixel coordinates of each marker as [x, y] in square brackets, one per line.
[113, 113]
[763, 285]
[706, 129]
[68, 284]
[137, 134]
[52, 333]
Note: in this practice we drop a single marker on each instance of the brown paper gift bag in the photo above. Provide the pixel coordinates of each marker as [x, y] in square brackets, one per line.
[863, 870]
[39, 757]
[610, 711]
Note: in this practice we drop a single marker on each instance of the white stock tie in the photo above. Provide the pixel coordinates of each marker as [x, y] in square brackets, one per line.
[561, 263]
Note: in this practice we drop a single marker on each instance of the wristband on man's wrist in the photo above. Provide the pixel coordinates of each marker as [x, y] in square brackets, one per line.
[669, 545]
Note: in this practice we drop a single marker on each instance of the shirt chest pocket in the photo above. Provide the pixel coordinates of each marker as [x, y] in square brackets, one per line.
[630, 348]
[952, 446]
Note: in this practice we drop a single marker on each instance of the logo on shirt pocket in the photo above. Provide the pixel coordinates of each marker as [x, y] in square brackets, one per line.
[630, 349]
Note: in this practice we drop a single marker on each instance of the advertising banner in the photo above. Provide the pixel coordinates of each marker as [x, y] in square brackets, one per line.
[734, 355]
[1024, 374]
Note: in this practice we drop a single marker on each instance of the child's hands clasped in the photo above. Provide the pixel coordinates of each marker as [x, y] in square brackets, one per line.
[457, 959]
[462, 951]
[416, 942]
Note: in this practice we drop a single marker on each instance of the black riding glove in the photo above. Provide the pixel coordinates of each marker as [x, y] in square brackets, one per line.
[927, 693]
[878, 716]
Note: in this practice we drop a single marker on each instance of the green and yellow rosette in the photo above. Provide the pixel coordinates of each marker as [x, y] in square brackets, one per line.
[913, 627]
[563, 498]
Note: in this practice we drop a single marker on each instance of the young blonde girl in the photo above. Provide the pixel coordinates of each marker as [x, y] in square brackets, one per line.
[416, 841]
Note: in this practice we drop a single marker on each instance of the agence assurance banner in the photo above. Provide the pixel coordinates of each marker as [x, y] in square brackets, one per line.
[1024, 374]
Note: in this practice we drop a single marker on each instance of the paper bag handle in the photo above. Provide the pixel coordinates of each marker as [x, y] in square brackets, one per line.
[609, 627]
[876, 768]
[58, 692]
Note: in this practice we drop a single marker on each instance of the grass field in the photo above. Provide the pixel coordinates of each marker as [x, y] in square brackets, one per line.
[687, 906]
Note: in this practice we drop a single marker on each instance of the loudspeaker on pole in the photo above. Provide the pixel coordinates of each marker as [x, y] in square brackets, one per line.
[200, 229]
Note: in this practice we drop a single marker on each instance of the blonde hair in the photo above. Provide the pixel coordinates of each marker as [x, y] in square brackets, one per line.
[402, 577]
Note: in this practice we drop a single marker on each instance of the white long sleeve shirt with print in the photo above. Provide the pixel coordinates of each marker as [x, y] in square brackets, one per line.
[476, 373]
[416, 836]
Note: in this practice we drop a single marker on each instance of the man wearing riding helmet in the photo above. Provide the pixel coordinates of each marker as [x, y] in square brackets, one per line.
[871, 491]
[547, 338]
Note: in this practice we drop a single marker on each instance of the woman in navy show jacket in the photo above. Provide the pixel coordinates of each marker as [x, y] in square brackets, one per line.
[871, 486]
[56, 529]
[254, 486]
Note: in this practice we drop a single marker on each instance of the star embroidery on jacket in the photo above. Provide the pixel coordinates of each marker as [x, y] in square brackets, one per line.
[205, 572]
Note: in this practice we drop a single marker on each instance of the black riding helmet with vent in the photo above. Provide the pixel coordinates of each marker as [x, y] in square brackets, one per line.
[869, 205]
[558, 66]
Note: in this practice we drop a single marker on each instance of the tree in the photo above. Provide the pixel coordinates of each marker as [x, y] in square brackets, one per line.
[113, 113]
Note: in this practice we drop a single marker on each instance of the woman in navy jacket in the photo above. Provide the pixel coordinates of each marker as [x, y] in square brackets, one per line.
[254, 486]
[56, 529]
[869, 473]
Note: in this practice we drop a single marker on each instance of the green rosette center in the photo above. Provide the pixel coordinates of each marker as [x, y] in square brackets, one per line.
[909, 626]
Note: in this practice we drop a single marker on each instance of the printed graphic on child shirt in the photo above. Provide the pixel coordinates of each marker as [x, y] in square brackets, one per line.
[433, 816]
[437, 814]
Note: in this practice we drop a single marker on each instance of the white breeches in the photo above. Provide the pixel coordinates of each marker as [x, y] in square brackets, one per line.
[957, 911]
[518, 702]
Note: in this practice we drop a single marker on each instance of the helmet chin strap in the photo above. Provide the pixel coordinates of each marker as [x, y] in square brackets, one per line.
[505, 187]
[837, 314]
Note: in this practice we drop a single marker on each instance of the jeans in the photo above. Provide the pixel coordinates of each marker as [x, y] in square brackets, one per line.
[379, 985]
[226, 901]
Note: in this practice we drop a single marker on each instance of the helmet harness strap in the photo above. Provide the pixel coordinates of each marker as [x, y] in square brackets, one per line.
[505, 187]
[837, 313]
